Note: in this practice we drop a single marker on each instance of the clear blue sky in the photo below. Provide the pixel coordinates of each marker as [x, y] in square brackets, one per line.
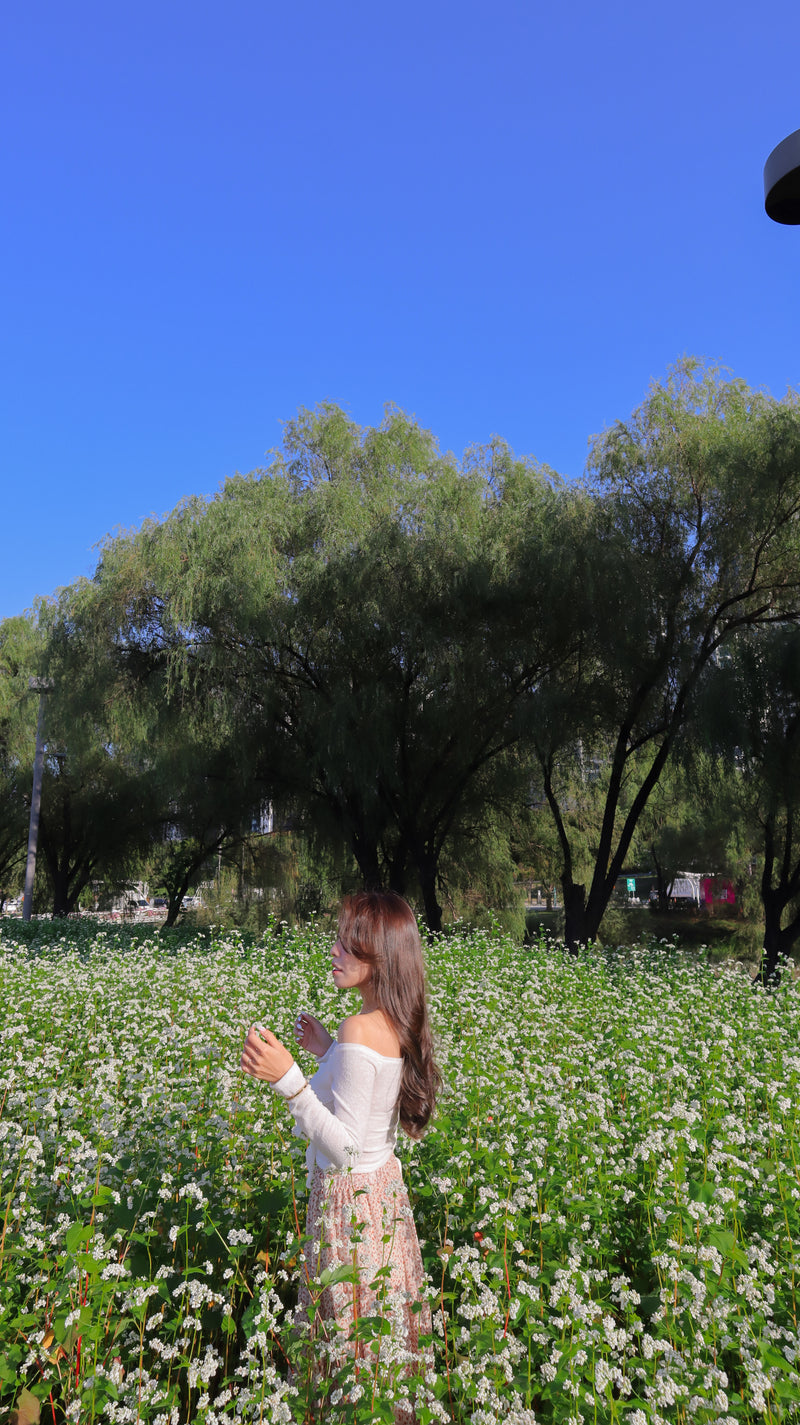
[505, 217]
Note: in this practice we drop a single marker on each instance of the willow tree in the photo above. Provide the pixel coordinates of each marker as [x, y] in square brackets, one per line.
[696, 522]
[20, 653]
[142, 771]
[204, 808]
[96, 798]
[371, 618]
[751, 719]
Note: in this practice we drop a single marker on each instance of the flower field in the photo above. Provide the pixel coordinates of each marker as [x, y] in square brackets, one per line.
[609, 1201]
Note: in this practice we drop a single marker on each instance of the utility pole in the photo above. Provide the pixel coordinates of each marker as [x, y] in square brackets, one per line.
[41, 686]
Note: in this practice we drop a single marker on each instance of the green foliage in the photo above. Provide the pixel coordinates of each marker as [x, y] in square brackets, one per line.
[20, 655]
[479, 876]
[368, 618]
[417, 660]
[751, 719]
[606, 1198]
[694, 536]
[272, 880]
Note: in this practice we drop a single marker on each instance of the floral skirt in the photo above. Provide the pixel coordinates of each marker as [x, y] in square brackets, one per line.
[369, 1305]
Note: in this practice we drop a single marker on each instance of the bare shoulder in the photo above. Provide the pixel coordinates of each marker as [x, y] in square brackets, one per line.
[351, 1031]
[371, 1030]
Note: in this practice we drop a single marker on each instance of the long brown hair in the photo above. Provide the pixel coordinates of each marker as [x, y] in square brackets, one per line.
[379, 928]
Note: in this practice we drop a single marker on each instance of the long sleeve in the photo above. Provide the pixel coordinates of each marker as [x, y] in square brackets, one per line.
[338, 1133]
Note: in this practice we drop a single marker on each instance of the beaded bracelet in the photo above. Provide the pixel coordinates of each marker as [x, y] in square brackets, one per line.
[287, 1098]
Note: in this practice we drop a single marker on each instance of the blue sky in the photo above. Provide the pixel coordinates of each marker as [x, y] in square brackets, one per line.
[504, 217]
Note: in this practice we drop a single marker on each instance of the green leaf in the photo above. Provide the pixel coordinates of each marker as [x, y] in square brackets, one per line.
[331, 1275]
[727, 1245]
[77, 1235]
[8, 1374]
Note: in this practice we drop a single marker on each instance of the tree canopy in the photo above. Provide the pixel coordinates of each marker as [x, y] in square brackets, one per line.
[694, 537]
[373, 619]
[752, 719]
[391, 645]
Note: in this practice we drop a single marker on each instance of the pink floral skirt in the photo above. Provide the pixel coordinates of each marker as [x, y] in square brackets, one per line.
[362, 1291]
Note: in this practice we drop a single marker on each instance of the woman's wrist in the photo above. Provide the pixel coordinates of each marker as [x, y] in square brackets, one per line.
[291, 1082]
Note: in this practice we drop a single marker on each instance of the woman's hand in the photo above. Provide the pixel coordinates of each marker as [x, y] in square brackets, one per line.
[311, 1035]
[263, 1056]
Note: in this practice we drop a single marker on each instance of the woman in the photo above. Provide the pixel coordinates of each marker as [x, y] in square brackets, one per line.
[379, 1070]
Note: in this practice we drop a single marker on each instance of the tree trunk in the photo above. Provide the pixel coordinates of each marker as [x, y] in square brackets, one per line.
[366, 853]
[582, 916]
[768, 973]
[398, 878]
[778, 940]
[174, 901]
[62, 901]
[398, 867]
[576, 929]
[57, 857]
[427, 870]
[774, 900]
[178, 879]
[661, 882]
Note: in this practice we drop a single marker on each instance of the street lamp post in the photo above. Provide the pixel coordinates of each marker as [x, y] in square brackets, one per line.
[782, 181]
[41, 686]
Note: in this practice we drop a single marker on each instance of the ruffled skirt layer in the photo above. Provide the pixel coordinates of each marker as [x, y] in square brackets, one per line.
[362, 1292]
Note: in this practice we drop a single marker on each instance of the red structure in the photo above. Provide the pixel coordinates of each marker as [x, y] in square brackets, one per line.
[717, 890]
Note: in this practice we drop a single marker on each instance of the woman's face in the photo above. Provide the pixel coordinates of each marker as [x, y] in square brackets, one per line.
[348, 972]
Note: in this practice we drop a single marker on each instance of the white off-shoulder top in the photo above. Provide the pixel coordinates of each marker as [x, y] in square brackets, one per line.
[349, 1111]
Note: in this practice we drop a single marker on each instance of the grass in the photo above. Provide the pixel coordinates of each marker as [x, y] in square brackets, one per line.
[719, 934]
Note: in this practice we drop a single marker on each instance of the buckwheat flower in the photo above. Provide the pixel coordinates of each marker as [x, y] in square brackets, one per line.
[115, 1270]
[602, 1375]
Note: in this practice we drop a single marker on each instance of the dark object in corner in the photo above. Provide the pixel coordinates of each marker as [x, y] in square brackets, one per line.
[782, 181]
